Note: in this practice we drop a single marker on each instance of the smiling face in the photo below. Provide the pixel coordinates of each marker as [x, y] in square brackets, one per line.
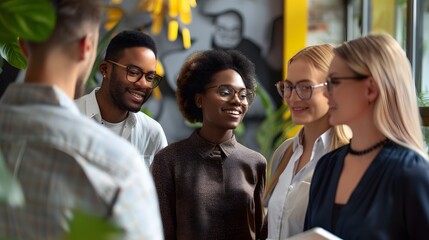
[127, 95]
[219, 113]
[314, 109]
[228, 30]
[348, 101]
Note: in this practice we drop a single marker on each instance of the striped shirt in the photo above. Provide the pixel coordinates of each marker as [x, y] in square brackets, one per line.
[65, 161]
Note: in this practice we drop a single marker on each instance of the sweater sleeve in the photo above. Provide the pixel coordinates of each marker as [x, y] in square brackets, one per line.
[163, 175]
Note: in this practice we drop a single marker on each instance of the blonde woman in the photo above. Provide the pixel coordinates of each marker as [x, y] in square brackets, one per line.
[295, 159]
[376, 187]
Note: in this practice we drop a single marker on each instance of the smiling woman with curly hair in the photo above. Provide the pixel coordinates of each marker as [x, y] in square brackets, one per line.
[209, 185]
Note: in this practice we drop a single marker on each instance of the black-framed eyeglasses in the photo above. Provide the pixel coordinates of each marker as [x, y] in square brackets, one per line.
[304, 90]
[134, 74]
[332, 81]
[228, 92]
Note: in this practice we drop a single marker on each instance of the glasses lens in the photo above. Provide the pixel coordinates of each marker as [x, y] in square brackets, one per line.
[150, 77]
[156, 81]
[153, 79]
[288, 87]
[242, 95]
[228, 93]
[280, 86]
[250, 96]
[133, 74]
[304, 90]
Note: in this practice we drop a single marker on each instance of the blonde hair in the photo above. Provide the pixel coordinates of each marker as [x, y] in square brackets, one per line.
[320, 56]
[396, 112]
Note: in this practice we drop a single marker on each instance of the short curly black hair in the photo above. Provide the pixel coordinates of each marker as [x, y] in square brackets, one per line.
[129, 39]
[197, 72]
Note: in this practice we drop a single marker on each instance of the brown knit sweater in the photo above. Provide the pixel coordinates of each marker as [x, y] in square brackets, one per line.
[208, 191]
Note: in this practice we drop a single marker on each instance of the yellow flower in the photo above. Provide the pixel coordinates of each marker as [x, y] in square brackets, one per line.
[173, 27]
[114, 14]
[186, 35]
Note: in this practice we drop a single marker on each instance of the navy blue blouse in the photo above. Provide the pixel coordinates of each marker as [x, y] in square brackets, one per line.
[391, 201]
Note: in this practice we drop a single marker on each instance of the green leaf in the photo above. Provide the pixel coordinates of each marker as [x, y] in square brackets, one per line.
[10, 190]
[6, 35]
[11, 52]
[106, 39]
[87, 226]
[269, 133]
[266, 101]
[31, 20]
[147, 112]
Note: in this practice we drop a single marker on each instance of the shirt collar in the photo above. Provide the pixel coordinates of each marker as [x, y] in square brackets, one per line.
[93, 110]
[204, 147]
[324, 139]
[36, 93]
[297, 140]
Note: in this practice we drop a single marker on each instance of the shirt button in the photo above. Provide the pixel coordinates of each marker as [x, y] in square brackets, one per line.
[290, 187]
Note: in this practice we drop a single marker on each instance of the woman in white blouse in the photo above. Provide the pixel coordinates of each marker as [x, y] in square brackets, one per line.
[294, 160]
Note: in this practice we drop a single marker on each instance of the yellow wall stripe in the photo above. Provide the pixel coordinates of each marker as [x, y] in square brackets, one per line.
[383, 16]
[294, 29]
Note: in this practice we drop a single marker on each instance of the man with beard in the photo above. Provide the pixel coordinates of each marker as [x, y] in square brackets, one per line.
[63, 160]
[129, 77]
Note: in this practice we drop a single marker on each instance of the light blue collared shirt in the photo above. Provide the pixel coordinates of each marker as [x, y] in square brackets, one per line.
[65, 161]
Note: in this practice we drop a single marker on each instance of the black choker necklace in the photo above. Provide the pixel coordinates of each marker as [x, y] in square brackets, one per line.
[368, 150]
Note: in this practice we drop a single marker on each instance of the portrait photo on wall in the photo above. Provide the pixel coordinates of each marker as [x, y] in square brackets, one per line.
[226, 24]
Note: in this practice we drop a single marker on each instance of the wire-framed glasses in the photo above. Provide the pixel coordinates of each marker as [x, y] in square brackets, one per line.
[332, 81]
[228, 92]
[134, 74]
[304, 90]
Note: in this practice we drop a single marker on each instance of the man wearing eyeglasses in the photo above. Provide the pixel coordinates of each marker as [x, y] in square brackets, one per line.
[129, 77]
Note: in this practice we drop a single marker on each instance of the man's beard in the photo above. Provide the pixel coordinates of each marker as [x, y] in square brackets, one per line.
[145, 99]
